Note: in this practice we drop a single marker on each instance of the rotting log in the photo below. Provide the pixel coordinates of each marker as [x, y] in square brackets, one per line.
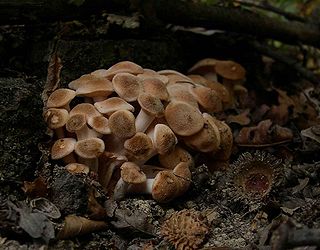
[186, 13]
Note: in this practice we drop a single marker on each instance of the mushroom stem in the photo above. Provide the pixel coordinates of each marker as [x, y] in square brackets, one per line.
[70, 158]
[143, 120]
[93, 164]
[120, 190]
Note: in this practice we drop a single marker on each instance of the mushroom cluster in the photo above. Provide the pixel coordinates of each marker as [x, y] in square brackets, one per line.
[124, 117]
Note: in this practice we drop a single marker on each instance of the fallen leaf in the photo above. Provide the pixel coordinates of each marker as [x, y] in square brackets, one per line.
[36, 188]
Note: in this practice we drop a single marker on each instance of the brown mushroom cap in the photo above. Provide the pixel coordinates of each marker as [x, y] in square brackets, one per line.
[60, 98]
[149, 73]
[113, 104]
[62, 147]
[95, 87]
[208, 99]
[139, 147]
[183, 118]
[180, 92]
[206, 140]
[173, 158]
[56, 118]
[77, 168]
[82, 80]
[99, 124]
[124, 67]
[204, 66]
[131, 173]
[156, 88]
[165, 186]
[89, 148]
[226, 138]
[122, 124]
[127, 86]
[230, 70]
[76, 122]
[183, 174]
[164, 139]
[85, 108]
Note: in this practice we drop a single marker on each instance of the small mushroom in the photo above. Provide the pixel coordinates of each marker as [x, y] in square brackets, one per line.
[127, 86]
[100, 124]
[63, 149]
[183, 119]
[88, 151]
[123, 67]
[205, 67]
[180, 92]
[149, 73]
[130, 174]
[173, 158]
[85, 108]
[57, 119]
[61, 98]
[113, 104]
[151, 107]
[156, 88]
[122, 124]
[77, 168]
[77, 124]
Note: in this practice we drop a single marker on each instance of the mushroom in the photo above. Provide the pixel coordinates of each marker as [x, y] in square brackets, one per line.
[139, 148]
[156, 88]
[85, 108]
[163, 138]
[226, 138]
[56, 119]
[61, 98]
[88, 151]
[173, 158]
[151, 107]
[100, 124]
[149, 73]
[113, 104]
[122, 124]
[123, 67]
[77, 168]
[77, 124]
[208, 98]
[62, 149]
[205, 67]
[130, 174]
[183, 119]
[206, 140]
[127, 86]
[97, 88]
[180, 92]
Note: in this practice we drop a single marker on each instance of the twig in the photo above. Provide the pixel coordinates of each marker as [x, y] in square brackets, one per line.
[279, 56]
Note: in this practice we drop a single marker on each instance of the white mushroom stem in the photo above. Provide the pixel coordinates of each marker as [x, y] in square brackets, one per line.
[143, 120]
[85, 133]
[143, 188]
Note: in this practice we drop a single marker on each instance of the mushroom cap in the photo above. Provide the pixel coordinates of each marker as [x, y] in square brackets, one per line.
[56, 118]
[89, 148]
[226, 138]
[149, 73]
[100, 124]
[62, 148]
[151, 105]
[82, 80]
[60, 98]
[173, 158]
[204, 66]
[100, 73]
[164, 139]
[174, 78]
[139, 147]
[77, 168]
[131, 173]
[124, 67]
[230, 70]
[183, 174]
[76, 122]
[127, 86]
[183, 118]
[206, 140]
[122, 124]
[208, 98]
[156, 88]
[85, 108]
[164, 187]
[113, 104]
[180, 92]
[96, 86]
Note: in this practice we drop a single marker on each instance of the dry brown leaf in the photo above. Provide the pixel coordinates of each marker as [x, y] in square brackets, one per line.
[241, 119]
[36, 188]
[77, 225]
[53, 77]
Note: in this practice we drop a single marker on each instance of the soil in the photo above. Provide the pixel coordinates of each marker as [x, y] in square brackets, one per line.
[234, 220]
